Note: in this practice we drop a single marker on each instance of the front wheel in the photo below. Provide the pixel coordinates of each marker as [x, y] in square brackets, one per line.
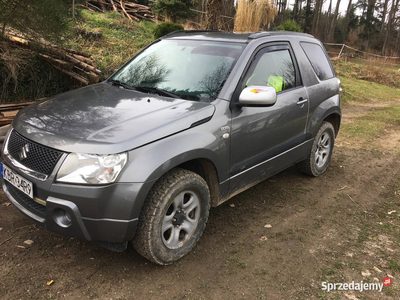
[173, 217]
[321, 151]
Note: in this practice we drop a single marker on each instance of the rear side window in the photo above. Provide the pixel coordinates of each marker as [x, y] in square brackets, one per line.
[318, 60]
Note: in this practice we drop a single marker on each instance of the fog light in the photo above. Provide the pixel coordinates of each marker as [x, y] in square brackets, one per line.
[61, 217]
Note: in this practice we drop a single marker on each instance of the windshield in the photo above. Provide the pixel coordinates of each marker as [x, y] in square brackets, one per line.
[192, 70]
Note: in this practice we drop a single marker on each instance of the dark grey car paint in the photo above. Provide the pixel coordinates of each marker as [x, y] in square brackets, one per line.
[105, 119]
[161, 133]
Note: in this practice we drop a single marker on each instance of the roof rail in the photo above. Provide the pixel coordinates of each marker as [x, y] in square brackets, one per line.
[178, 32]
[260, 34]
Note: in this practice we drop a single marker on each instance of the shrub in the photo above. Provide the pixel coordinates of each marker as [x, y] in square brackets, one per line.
[289, 25]
[165, 28]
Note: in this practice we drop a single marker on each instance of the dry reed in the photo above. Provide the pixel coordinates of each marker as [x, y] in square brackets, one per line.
[253, 15]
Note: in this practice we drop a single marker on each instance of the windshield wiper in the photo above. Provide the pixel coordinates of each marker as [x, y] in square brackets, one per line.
[122, 84]
[161, 92]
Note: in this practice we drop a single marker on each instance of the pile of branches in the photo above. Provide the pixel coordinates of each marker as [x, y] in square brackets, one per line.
[75, 64]
[131, 10]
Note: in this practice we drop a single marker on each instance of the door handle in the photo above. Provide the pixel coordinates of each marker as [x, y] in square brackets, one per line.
[301, 101]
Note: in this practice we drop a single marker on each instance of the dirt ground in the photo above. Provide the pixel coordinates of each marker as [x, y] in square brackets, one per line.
[334, 228]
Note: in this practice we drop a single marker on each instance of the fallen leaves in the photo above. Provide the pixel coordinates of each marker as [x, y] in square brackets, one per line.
[50, 282]
[232, 205]
[263, 238]
[268, 226]
[377, 270]
[390, 212]
[28, 242]
[366, 273]
[6, 204]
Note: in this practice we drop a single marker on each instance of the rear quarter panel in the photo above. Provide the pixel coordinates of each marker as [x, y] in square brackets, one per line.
[323, 95]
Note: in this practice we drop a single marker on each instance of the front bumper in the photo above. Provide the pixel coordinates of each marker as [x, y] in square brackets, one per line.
[105, 214]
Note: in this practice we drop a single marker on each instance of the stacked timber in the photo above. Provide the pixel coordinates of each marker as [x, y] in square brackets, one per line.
[9, 111]
[75, 64]
[132, 11]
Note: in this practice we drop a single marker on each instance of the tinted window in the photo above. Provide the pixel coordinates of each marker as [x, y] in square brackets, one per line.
[274, 69]
[318, 60]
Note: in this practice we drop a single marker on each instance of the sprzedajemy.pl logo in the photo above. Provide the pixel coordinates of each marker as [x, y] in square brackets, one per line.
[356, 286]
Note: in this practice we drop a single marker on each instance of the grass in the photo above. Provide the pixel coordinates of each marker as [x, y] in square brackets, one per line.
[380, 88]
[369, 71]
[374, 122]
[235, 261]
[394, 265]
[121, 39]
[356, 90]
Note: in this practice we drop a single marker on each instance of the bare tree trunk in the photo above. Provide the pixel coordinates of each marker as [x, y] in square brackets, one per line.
[213, 14]
[299, 14]
[392, 16]
[295, 9]
[327, 21]
[347, 21]
[308, 21]
[317, 13]
[333, 24]
[283, 17]
[384, 12]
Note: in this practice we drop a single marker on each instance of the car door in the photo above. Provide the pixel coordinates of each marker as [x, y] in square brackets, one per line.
[259, 135]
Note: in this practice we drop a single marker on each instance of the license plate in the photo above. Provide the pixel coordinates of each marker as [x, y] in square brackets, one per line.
[19, 182]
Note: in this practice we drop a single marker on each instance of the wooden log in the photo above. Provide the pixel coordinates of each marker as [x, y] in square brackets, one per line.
[134, 17]
[85, 59]
[18, 40]
[78, 53]
[82, 64]
[90, 75]
[131, 4]
[113, 5]
[77, 77]
[123, 8]
[61, 63]
[6, 121]
[38, 46]
[14, 106]
[53, 50]
[95, 7]
[10, 113]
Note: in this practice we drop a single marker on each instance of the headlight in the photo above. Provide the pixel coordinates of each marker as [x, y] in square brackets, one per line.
[91, 168]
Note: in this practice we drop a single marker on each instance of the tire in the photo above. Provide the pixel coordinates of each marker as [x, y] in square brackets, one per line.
[173, 217]
[321, 151]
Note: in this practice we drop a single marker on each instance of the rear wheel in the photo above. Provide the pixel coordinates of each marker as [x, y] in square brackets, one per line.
[321, 151]
[173, 217]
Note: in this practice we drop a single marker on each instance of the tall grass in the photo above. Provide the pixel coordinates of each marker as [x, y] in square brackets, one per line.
[254, 15]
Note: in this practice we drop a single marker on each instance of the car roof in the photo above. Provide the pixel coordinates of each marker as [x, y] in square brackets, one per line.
[229, 36]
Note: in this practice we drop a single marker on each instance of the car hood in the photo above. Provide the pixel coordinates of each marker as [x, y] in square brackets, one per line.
[104, 119]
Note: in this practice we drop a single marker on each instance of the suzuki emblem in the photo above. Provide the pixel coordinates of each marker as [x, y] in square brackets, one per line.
[24, 152]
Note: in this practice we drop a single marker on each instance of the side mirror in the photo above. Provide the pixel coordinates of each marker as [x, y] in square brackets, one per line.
[258, 95]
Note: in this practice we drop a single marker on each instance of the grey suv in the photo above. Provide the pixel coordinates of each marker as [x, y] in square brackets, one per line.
[189, 122]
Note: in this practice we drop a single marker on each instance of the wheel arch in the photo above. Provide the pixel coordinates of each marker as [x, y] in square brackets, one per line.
[200, 165]
[329, 110]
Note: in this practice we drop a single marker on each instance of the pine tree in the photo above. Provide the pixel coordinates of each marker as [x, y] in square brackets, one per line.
[176, 10]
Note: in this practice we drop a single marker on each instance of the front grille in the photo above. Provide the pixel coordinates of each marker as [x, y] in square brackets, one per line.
[25, 201]
[38, 158]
